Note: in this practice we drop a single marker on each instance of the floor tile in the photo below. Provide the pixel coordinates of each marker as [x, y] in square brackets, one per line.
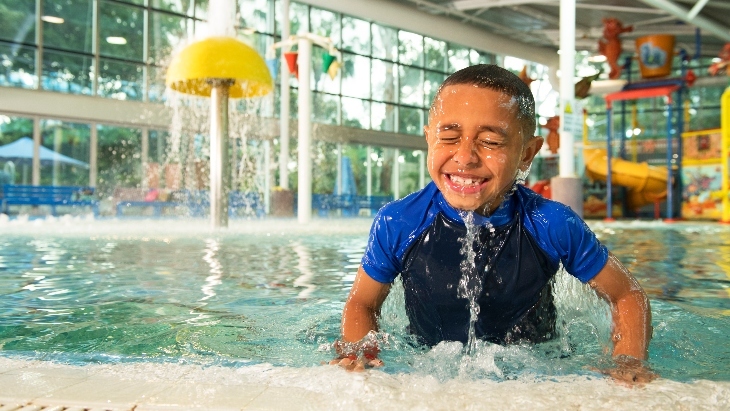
[285, 399]
[106, 390]
[208, 396]
[29, 385]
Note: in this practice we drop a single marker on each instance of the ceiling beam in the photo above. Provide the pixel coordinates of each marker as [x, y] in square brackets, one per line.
[720, 31]
[623, 9]
[697, 8]
[488, 4]
[440, 27]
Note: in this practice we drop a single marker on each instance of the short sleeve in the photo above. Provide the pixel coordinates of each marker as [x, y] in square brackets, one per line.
[380, 261]
[581, 253]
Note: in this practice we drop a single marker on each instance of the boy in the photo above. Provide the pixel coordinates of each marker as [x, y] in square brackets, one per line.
[481, 140]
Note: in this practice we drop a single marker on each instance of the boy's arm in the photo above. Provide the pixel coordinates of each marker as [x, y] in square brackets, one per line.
[359, 317]
[362, 307]
[631, 314]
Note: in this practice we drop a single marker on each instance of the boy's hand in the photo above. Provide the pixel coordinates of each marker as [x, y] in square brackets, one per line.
[356, 356]
[353, 363]
[630, 370]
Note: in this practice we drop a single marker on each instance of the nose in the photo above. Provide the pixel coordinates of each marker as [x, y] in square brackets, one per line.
[466, 153]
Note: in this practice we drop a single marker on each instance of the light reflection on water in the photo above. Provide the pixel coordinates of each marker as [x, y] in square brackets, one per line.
[244, 297]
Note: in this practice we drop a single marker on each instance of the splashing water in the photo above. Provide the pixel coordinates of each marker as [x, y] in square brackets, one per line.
[521, 176]
[470, 285]
[223, 13]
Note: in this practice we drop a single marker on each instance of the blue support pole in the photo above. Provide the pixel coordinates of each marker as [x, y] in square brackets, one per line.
[622, 136]
[670, 196]
[679, 130]
[609, 184]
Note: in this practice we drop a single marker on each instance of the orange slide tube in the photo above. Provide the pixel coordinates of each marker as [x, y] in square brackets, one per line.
[647, 184]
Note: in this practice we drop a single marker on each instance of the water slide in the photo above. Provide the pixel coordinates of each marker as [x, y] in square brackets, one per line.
[647, 184]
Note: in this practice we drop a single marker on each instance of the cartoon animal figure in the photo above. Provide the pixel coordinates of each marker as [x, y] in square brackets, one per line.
[583, 86]
[724, 64]
[524, 77]
[611, 47]
[553, 137]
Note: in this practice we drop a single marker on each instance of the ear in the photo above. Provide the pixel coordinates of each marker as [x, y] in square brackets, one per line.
[426, 130]
[530, 150]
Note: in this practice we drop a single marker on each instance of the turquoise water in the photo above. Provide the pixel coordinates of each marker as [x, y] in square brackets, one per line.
[274, 295]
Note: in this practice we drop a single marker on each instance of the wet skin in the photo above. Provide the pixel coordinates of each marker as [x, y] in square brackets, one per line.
[476, 146]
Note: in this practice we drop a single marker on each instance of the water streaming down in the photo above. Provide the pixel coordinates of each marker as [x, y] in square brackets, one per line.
[470, 284]
[187, 156]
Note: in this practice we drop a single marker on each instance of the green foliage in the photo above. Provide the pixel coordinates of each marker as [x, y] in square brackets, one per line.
[13, 128]
[17, 21]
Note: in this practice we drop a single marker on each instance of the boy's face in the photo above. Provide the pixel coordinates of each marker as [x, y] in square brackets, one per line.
[476, 146]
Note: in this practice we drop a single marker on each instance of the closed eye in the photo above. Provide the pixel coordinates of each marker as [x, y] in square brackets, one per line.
[490, 143]
[448, 140]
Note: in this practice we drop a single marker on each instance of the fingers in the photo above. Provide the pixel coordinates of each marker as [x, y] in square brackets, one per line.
[377, 362]
[356, 365]
[631, 375]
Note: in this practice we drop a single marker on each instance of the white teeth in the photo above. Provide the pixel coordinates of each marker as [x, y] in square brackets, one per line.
[465, 181]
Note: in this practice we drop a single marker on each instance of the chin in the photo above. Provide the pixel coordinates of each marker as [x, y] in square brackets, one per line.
[464, 204]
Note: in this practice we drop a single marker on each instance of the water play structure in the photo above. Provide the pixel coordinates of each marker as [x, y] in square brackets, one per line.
[705, 170]
[219, 68]
[646, 184]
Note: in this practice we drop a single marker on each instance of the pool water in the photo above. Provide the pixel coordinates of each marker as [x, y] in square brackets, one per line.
[271, 293]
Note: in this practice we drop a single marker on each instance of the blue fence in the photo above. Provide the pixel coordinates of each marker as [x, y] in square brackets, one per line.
[52, 196]
[196, 203]
[349, 205]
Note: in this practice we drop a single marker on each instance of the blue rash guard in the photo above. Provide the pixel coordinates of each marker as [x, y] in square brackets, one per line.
[518, 251]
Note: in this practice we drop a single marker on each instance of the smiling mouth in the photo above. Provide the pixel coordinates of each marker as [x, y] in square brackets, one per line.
[466, 182]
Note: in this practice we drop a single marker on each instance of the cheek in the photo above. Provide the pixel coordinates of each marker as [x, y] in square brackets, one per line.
[437, 155]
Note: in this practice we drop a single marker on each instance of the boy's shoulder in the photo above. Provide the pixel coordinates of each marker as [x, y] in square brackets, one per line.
[395, 227]
[412, 203]
[535, 205]
[410, 214]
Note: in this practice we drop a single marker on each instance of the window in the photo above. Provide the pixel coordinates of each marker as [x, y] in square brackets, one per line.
[67, 72]
[71, 140]
[121, 31]
[72, 29]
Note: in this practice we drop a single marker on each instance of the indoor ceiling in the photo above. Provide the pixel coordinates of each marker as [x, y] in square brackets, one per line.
[537, 22]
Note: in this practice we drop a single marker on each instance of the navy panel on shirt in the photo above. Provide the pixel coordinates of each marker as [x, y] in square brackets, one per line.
[419, 237]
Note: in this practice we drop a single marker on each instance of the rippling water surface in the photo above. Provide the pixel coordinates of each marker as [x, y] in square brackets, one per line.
[273, 294]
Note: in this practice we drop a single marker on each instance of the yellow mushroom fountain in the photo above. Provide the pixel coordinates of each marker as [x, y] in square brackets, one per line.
[219, 68]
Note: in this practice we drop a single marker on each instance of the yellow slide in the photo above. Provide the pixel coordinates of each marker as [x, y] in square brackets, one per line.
[647, 184]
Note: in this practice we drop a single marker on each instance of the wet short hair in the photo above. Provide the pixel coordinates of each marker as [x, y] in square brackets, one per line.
[499, 79]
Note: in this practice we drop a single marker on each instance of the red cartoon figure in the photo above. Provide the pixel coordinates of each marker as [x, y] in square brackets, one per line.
[553, 137]
[723, 64]
[611, 47]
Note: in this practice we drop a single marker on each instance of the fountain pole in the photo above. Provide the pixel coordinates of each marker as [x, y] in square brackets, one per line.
[220, 164]
[219, 68]
[304, 135]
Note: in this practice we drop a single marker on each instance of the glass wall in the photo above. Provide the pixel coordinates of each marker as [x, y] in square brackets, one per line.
[121, 53]
[72, 142]
[119, 49]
